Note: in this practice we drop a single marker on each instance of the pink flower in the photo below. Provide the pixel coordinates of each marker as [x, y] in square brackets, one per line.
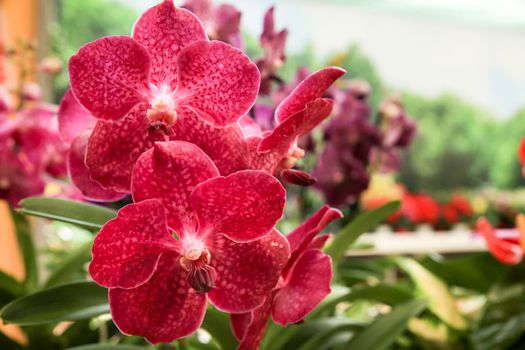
[50, 65]
[304, 282]
[227, 250]
[296, 115]
[30, 152]
[221, 22]
[31, 91]
[141, 88]
[272, 43]
[76, 125]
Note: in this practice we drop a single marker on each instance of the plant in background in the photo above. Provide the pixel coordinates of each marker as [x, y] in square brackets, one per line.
[31, 152]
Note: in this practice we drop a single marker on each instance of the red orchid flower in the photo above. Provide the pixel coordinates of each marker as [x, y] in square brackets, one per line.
[506, 245]
[227, 250]
[298, 114]
[141, 88]
[76, 125]
[304, 282]
[221, 22]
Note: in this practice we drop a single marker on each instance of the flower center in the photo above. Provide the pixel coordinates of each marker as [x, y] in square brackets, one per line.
[289, 161]
[162, 109]
[202, 275]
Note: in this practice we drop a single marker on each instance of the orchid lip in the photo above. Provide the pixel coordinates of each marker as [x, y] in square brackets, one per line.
[201, 275]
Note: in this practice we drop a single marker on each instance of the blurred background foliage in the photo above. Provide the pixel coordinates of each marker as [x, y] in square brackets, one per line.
[455, 143]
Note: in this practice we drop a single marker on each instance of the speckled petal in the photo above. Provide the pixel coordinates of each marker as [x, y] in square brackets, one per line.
[163, 309]
[307, 285]
[254, 330]
[114, 147]
[507, 251]
[109, 76]
[216, 81]
[73, 119]
[301, 237]
[312, 88]
[225, 146]
[169, 172]
[244, 206]
[80, 175]
[246, 272]
[286, 133]
[164, 31]
[127, 249]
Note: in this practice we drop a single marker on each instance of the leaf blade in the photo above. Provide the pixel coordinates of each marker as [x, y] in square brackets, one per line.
[69, 302]
[82, 214]
[361, 224]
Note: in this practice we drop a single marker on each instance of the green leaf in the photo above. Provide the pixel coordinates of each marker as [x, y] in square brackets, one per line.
[10, 288]
[218, 325]
[71, 264]
[384, 331]
[69, 302]
[361, 224]
[502, 319]
[441, 302]
[389, 294]
[108, 347]
[82, 214]
[27, 249]
[295, 336]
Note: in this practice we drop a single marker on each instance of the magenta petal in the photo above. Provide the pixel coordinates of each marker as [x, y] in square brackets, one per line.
[305, 233]
[169, 172]
[163, 309]
[246, 272]
[127, 249]
[239, 324]
[254, 333]
[313, 87]
[80, 174]
[164, 31]
[217, 81]
[244, 206]
[225, 146]
[249, 127]
[286, 133]
[114, 147]
[308, 284]
[109, 76]
[73, 119]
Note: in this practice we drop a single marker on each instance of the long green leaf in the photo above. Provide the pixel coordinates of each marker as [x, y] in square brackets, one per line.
[361, 224]
[10, 288]
[441, 301]
[68, 302]
[384, 331]
[86, 215]
[27, 249]
[218, 325]
[72, 264]
[384, 293]
[295, 336]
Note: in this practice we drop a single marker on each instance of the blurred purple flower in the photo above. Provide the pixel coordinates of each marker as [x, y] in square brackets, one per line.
[272, 43]
[221, 22]
[31, 152]
[350, 138]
